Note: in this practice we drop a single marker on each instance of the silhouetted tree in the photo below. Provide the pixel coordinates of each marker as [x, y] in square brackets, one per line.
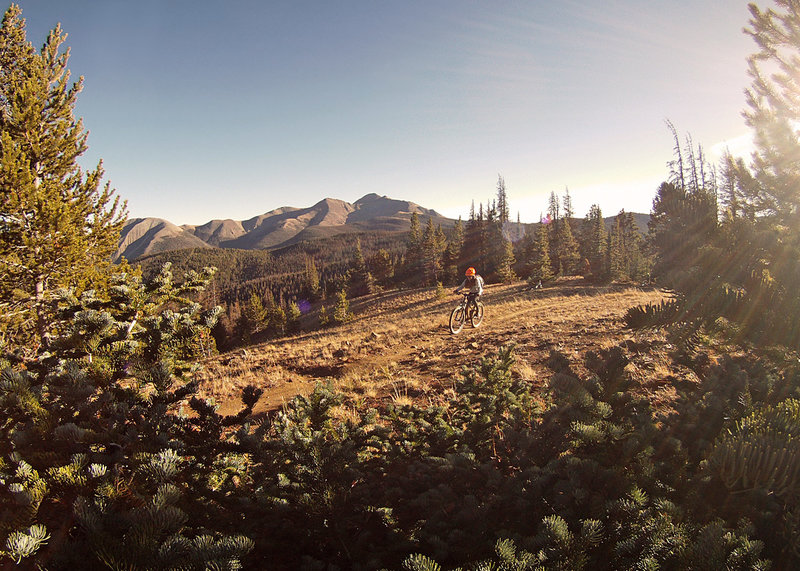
[540, 260]
[594, 242]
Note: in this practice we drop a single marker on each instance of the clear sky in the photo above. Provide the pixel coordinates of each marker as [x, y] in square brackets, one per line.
[206, 109]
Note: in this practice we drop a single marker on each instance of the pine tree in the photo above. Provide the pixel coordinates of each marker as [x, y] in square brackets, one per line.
[58, 227]
[554, 207]
[594, 241]
[567, 201]
[293, 315]
[311, 278]
[381, 267]
[683, 218]
[485, 261]
[432, 251]
[616, 252]
[455, 244]
[568, 255]
[540, 261]
[503, 211]
[277, 320]
[92, 433]
[361, 281]
[774, 109]
[412, 266]
[554, 216]
[472, 245]
[341, 310]
[253, 319]
[505, 270]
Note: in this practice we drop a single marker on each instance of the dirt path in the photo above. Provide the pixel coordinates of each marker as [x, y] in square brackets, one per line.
[398, 342]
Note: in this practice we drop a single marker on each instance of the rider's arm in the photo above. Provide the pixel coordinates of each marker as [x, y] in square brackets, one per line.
[459, 288]
[480, 285]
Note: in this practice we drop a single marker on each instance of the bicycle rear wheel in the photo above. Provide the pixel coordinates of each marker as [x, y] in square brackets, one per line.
[457, 319]
[477, 314]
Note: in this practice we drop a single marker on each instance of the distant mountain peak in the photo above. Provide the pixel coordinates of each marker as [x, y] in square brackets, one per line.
[368, 198]
[276, 228]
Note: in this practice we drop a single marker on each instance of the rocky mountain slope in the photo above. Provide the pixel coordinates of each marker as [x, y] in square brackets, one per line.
[143, 236]
[273, 229]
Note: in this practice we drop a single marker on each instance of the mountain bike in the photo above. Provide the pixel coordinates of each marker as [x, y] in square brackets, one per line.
[465, 310]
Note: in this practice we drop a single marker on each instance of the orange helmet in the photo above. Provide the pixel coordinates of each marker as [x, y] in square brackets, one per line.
[470, 272]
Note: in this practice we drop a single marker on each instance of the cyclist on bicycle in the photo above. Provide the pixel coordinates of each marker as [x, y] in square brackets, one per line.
[475, 284]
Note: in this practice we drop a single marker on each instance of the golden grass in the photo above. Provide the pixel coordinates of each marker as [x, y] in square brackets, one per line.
[398, 347]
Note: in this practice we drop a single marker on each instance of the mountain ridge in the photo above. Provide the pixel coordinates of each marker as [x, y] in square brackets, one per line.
[274, 229]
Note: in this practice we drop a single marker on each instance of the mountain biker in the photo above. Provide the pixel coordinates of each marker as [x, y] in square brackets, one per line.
[475, 284]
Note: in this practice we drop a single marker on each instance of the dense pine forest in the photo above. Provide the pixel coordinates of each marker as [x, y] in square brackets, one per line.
[110, 459]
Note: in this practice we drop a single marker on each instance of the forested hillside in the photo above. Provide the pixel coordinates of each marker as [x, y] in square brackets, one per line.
[260, 290]
[568, 431]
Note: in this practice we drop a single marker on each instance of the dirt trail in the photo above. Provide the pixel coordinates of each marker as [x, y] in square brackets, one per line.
[399, 341]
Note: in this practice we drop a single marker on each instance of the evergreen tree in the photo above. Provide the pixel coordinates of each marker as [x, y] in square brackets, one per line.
[567, 201]
[341, 310]
[311, 278]
[58, 226]
[92, 434]
[433, 244]
[526, 248]
[485, 259]
[616, 252]
[554, 207]
[253, 319]
[568, 254]
[505, 270]
[452, 254]
[683, 219]
[503, 211]
[594, 241]
[554, 216]
[540, 261]
[277, 320]
[472, 245]
[293, 315]
[361, 281]
[381, 267]
[774, 109]
[412, 266]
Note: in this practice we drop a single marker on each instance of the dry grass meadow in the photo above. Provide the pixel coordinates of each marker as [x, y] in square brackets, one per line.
[398, 346]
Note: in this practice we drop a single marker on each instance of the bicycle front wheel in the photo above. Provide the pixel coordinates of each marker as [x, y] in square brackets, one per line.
[457, 320]
[477, 314]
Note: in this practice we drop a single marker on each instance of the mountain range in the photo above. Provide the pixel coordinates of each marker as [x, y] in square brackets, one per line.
[274, 229]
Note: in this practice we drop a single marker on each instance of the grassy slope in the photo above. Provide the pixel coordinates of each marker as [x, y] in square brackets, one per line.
[398, 345]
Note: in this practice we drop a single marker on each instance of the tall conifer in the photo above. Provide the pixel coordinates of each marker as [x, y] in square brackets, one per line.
[452, 252]
[540, 260]
[774, 108]
[594, 241]
[503, 212]
[58, 227]
[568, 255]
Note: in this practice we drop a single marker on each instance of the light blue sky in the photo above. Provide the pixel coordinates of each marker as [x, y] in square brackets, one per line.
[207, 109]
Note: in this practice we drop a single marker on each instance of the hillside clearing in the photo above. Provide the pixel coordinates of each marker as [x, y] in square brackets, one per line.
[398, 345]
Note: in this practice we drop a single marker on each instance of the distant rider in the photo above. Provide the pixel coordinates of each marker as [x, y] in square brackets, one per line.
[474, 283]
